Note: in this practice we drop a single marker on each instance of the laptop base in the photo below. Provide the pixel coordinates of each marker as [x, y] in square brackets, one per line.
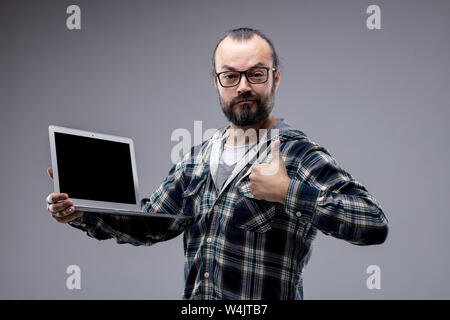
[131, 213]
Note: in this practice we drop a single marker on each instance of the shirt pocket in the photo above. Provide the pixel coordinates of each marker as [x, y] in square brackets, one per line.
[192, 198]
[251, 214]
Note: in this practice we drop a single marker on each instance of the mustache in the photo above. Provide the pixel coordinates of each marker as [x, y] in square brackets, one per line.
[245, 96]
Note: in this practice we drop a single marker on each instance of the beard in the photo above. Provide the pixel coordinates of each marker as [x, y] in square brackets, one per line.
[242, 115]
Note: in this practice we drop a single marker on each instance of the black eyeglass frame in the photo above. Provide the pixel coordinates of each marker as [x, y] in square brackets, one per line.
[245, 73]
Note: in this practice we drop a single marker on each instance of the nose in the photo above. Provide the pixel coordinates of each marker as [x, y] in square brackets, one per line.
[243, 85]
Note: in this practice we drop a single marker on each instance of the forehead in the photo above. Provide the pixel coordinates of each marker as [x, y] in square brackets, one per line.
[242, 55]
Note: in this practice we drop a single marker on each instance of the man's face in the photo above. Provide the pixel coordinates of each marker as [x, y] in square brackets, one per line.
[246, 104]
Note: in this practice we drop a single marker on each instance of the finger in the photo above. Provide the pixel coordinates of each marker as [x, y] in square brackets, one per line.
[255, 168]
[63, 213]
[60, 206]
[69, 217]
[55, 197]
[50, 173]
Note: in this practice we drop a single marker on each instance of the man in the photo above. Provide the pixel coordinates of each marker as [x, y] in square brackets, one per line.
[255, 213]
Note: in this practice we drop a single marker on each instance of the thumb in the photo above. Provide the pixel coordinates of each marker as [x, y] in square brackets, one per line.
[50, 173]
[275, 150]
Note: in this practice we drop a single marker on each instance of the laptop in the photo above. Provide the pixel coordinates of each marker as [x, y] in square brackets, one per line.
[98, 172]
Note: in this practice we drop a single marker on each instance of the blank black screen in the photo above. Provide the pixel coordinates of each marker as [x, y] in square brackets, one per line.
[94, 169]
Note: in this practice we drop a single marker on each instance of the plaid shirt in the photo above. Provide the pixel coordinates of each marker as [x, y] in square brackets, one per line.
[237, 247]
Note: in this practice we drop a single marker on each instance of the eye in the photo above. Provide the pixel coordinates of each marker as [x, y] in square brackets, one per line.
[256, 73]
[229, 76]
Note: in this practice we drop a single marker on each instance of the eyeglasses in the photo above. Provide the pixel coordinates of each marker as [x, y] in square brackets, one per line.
[254, 75]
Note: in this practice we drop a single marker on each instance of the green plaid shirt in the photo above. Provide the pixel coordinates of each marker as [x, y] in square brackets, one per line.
[237, 247]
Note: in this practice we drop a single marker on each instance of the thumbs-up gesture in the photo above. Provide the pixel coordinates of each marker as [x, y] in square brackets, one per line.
[270, 181]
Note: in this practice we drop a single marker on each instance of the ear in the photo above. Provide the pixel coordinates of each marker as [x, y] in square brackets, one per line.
[277, 79]
[215, 82]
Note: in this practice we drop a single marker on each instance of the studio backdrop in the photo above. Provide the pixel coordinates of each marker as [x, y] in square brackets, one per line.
[368, 80]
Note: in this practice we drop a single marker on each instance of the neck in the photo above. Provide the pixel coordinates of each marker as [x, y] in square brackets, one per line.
[243, 135]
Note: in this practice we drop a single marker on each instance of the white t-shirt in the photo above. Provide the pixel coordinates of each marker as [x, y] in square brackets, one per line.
[232, 154]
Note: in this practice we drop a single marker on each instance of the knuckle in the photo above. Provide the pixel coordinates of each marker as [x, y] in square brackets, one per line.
[60, 219]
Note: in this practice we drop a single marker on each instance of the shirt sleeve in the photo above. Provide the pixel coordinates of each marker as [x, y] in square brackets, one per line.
[329, 198]
[135, 230]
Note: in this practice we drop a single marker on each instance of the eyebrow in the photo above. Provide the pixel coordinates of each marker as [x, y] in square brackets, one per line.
[259, 64]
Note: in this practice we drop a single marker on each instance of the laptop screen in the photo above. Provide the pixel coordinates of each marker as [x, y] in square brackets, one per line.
[94, 169]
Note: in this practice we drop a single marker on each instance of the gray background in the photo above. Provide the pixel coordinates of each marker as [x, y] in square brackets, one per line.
[378, 100]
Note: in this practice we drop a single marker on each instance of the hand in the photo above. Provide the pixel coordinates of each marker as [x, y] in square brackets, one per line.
[270, 181]
[59, 205]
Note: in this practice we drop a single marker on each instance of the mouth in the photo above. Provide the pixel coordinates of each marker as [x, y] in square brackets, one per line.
[243, 101]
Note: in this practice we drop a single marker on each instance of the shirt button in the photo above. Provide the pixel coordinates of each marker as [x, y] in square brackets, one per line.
[216, 208]
[209, 240]
[206, 275]
[298, 214]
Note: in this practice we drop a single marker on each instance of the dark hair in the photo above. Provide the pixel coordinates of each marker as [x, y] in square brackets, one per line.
[244, 34]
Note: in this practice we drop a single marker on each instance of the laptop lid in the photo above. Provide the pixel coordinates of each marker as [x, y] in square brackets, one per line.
[94, 169]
